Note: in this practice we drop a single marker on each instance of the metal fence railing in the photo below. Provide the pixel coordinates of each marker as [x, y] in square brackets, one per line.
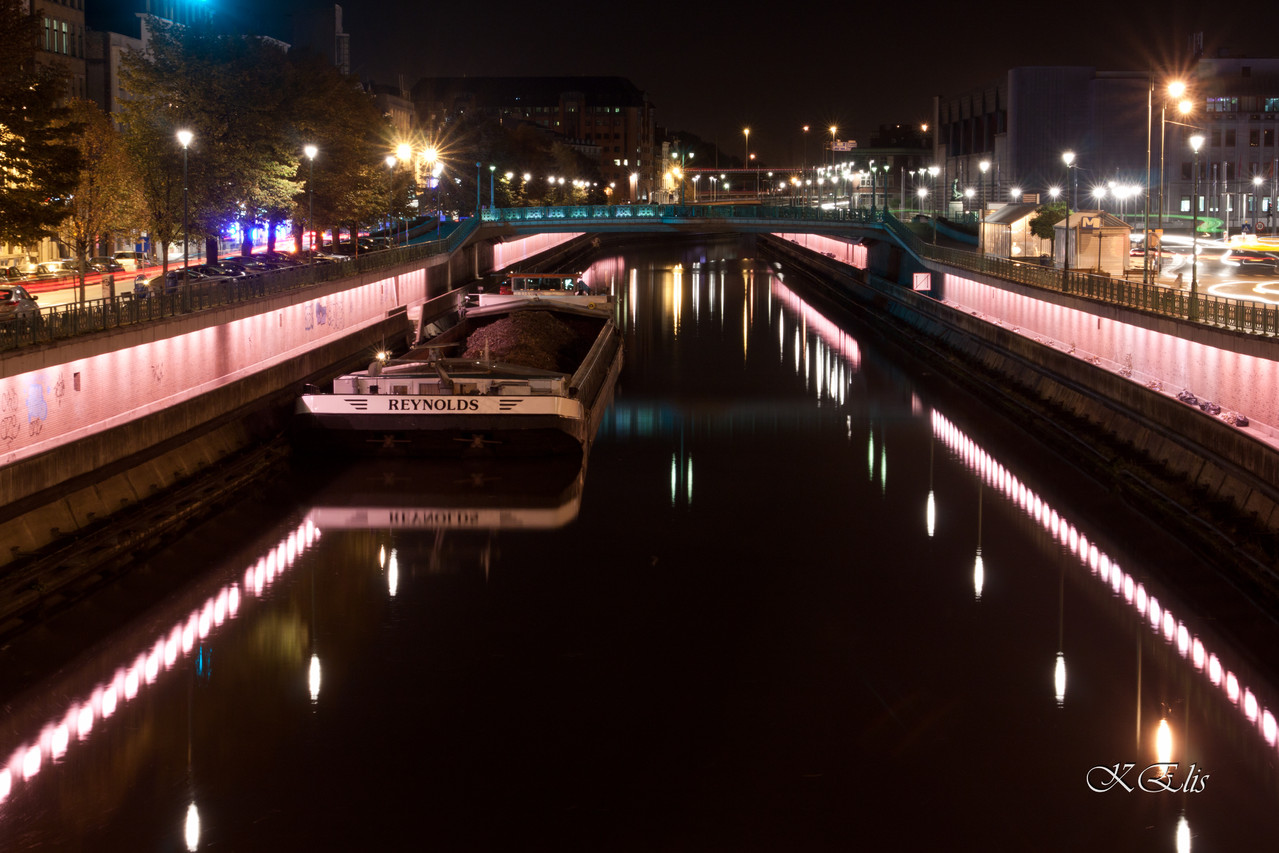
[127, 309]
[1240, 315]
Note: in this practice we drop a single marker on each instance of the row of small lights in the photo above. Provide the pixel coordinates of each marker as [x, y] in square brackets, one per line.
[168, 650]
[1160, 619]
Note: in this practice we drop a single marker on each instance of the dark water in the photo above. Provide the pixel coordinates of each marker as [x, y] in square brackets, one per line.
[740, 628]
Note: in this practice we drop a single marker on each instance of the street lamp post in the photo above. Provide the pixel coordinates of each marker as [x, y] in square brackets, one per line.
[1067, 157]
[984, 165]
[310, 152]
[1256, 208]
[746, 162]
[492, 171]
[1099, 193]
[873, 190]
[432, 156]
[1175, 90]
[184, 139]
[1196, 142]
[933, 170]
[391, 160]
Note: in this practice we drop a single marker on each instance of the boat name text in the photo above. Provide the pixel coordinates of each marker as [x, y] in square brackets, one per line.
[447, 404]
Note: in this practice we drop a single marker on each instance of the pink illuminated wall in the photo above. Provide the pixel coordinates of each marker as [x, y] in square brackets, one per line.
[514, 251]
[59, 403]
[1237, 382]
[853, 254]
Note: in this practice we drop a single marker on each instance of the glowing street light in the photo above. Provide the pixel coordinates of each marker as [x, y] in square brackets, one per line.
[984, 165]
[1196, 142]
[184, 139]
[310, 152]
[932, 171]
[1067, 157]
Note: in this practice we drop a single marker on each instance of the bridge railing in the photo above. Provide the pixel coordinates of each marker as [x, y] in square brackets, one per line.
[624, 213]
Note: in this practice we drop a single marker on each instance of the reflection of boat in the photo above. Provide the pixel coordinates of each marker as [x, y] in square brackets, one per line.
[531, 376]
[451, 495]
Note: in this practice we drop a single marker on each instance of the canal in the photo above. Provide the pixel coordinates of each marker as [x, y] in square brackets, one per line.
[804, 595]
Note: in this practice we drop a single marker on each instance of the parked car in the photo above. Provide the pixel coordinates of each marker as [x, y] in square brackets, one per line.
[278, 258]
[133, 261]
[49, 270]
[168, 282]
[12, 274]
[250, 265]
[15, 301]
[105, 264]
[219, 270]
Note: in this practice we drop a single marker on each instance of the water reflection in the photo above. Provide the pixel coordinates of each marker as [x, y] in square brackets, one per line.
[1197, 653]
[899, 611]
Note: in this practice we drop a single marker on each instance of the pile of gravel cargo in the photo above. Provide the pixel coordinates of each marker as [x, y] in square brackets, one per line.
[535, 339]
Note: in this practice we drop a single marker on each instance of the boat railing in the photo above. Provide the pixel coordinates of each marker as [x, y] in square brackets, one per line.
[594, 369]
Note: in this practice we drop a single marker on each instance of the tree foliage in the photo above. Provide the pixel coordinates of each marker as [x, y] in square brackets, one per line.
[251, 109]
[1045, 218]
[38, 161]
[107, 195]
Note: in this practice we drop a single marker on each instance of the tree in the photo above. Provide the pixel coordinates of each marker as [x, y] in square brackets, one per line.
[1047, 216]
[333, 113]
[36, 156]
[229, 92]
[107, 195]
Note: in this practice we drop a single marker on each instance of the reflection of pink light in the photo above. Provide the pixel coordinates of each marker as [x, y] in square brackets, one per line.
[84, 722]
[1161, 621]
[836, 338]
[105, 698]
[153, 665]
[58, 743]
[31, 762]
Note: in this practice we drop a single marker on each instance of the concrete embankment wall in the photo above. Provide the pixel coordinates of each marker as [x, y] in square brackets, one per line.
[90, 425]
[1219, 462]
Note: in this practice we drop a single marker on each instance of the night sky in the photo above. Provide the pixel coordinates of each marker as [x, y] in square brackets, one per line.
[713, 68]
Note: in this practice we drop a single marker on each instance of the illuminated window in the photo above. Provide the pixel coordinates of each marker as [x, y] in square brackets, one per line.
[1223, 105]
[1254, 138]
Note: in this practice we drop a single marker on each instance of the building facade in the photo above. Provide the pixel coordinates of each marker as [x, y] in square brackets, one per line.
[1124, 137]
[605, 118]
[1236, 110]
